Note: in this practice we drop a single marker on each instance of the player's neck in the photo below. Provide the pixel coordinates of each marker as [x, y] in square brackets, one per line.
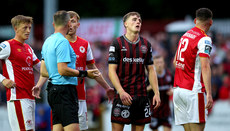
[71, 38]
[62, 30]
[19, 39]
[133, 37]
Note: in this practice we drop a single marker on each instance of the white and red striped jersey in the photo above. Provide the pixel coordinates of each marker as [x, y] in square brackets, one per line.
[84, 54]
[18, 60]
[193, 44]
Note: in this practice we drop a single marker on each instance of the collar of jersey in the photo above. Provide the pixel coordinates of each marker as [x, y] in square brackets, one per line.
[131, 41]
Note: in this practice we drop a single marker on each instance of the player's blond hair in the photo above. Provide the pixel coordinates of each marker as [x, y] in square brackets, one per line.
[73, 13]
[19, 19]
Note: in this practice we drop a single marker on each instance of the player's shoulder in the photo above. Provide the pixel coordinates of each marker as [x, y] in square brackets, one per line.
[82, 40]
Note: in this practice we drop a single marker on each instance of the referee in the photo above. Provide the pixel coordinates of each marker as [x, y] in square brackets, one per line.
[59, 60]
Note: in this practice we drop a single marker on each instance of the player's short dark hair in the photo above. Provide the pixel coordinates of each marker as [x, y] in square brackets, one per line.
[130, 14]
[204, 14]
[61, 18]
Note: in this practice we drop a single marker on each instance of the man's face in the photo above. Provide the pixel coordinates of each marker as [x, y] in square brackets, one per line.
[23, 30]
[133, 24]
[74, 24]
[159, 64]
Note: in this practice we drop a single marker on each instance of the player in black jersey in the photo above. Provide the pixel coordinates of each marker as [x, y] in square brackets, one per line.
[162, 115]
[129, 55]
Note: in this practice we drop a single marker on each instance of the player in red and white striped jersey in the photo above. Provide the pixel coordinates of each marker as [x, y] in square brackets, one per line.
[193, 74]
[18, 62]
[85, 58]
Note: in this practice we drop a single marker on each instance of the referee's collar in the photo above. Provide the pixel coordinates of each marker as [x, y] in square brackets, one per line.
[131, 41]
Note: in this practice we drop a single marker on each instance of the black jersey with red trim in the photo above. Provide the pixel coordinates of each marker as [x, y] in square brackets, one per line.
[131, 58]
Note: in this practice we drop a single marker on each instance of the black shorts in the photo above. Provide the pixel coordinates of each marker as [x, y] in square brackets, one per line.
[156, 122]
[138, 113]
[64, 104]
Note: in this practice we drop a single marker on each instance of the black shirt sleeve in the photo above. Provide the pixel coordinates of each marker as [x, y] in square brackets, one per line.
[114, 53]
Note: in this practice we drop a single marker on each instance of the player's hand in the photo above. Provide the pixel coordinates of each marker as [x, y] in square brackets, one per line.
[8, 83]
[209, 102]
[93, 73]
[36, 92]
[110, 94]
[156, 101]
[126, 99]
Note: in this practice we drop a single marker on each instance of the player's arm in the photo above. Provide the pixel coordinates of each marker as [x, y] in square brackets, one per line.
[100, 79]
[44, 76]
[206, 75]
[5, 51]
[204, 50]
[154, 84]
[125, 97]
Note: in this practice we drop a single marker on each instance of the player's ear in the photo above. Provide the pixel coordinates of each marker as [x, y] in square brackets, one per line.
[53, 24]
[210, 22]
[195, 21]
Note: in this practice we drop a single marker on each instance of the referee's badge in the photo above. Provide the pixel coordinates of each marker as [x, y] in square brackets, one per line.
[82, 49]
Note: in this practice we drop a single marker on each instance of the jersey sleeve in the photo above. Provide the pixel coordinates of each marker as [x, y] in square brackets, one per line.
[149, 58]
[89, 58]
[204, 47]
[114, 53]
[35, 58]
[4, 50]
[62, 51]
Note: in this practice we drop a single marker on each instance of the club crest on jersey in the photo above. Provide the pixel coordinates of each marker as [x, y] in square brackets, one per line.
[30, 51]
[143, 49]
[28, 61]
[82, 49]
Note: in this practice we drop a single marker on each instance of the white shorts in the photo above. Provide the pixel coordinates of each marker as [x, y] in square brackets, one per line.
[189, 106]
[21, 114]
[82, 115]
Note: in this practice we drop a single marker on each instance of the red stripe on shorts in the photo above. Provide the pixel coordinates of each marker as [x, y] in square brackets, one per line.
[18, 109]
[201, 105]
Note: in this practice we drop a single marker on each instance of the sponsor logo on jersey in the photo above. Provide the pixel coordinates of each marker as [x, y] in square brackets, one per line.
[180, 65]
[123, 49]
[111, 49]
[208, 49]
[133, 60]
[125, 113]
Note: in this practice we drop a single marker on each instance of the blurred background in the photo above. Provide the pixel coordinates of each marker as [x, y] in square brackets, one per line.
[164, 21]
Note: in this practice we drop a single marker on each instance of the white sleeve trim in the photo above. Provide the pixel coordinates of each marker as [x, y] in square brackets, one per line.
[5, 50]
[89, 53]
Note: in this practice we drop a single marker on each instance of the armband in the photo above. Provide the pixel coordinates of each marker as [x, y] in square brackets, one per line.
[82, 73]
